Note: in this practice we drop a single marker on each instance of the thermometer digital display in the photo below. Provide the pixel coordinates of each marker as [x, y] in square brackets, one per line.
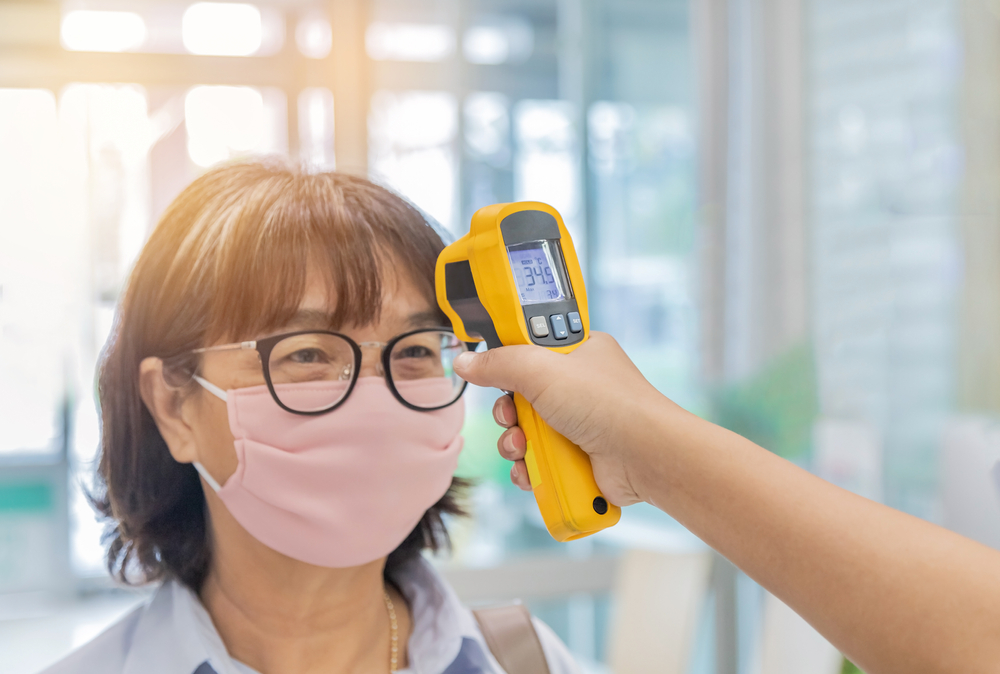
[537, 268]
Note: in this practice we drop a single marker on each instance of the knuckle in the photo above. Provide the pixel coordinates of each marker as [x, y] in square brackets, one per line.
[485, 359]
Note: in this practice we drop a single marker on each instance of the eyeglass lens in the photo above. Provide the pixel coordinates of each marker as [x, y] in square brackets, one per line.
[324, 362]
[313, 371]
[420, 366]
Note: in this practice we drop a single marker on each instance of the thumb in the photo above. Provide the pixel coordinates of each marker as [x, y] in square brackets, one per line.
[518, 368]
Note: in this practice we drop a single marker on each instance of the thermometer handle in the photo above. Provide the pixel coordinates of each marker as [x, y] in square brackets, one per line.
[562, 480]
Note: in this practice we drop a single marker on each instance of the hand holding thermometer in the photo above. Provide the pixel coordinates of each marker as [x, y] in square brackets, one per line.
[515, 279]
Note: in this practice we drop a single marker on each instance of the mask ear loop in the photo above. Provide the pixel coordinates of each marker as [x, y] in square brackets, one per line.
[211, 388]
[218, 392]
[208, 478]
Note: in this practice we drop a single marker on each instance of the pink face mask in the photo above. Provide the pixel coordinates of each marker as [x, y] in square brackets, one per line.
[344, 488]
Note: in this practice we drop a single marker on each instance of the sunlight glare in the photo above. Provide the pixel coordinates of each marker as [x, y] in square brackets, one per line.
[546, 165]
[85, 30]
[223, 122]
[316, 135]
[409, 41]
[314, 37]
[222, 29]
[486, 45]
[38, 270]
[411, 148]
[498, 39]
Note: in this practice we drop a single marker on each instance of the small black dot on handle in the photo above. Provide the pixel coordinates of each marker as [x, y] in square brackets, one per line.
[600, 505]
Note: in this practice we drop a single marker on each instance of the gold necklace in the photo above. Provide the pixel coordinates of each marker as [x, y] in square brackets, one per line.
[393, 634]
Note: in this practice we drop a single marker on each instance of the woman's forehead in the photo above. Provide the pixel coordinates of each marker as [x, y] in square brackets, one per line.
[403, 303]
[327, 292]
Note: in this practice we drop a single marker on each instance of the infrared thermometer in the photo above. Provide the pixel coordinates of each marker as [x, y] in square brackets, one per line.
[515, 279]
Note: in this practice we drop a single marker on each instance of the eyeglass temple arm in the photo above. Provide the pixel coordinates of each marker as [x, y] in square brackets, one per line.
[226, 347]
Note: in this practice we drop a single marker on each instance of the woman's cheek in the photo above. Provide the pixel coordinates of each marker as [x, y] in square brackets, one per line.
[216, 448]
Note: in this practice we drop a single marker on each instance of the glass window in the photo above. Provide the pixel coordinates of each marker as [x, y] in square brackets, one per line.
[314, 36]
[411, 148]
[110, 132]
[547, 162]
[496, 40]
[487, 176]
[642, 165]
[226, 122]
[886, 166]
[90, 30]
[179, 27]
[409, 41]
[40, 273]
[316, 131]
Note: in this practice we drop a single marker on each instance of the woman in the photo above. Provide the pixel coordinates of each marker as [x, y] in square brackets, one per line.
[280, 428]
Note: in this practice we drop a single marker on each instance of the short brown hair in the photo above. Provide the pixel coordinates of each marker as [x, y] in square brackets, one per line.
[227, 261]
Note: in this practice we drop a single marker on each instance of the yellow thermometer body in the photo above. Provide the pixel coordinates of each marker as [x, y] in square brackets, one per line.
[515, 279]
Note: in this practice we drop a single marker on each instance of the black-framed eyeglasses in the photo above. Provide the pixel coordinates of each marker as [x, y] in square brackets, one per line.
[314, 371]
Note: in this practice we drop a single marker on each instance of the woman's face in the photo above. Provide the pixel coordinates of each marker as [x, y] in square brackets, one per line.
[404, 308]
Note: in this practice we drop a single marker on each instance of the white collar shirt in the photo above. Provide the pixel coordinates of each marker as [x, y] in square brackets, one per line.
[173, 634]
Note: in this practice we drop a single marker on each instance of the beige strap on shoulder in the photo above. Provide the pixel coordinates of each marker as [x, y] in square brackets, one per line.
[512, 638]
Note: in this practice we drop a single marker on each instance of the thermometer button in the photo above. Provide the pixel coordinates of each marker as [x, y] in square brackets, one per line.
[539, 326]
[575, 324]
[558, 326]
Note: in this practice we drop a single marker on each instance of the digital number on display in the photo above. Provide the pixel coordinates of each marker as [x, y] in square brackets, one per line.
[535, 278]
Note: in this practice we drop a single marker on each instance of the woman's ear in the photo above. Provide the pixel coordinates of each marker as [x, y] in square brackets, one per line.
[164, 403]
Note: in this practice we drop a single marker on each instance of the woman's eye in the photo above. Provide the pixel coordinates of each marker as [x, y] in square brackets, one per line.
[308, 356]
[416, 352]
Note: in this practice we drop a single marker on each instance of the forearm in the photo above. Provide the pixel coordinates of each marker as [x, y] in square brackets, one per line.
[895, 593]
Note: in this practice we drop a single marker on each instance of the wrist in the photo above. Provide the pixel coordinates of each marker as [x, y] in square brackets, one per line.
[664, 432]
[641, 445]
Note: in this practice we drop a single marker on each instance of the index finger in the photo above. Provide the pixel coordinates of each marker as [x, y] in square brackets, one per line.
[504, 412]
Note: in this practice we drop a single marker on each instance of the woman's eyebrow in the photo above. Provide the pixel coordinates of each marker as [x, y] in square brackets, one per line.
[316, 318]
[424, 319]
[311, 318]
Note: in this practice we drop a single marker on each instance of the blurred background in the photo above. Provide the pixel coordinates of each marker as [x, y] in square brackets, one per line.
[788, 212]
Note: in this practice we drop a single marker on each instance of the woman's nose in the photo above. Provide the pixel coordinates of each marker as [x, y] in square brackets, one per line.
[371, 361]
